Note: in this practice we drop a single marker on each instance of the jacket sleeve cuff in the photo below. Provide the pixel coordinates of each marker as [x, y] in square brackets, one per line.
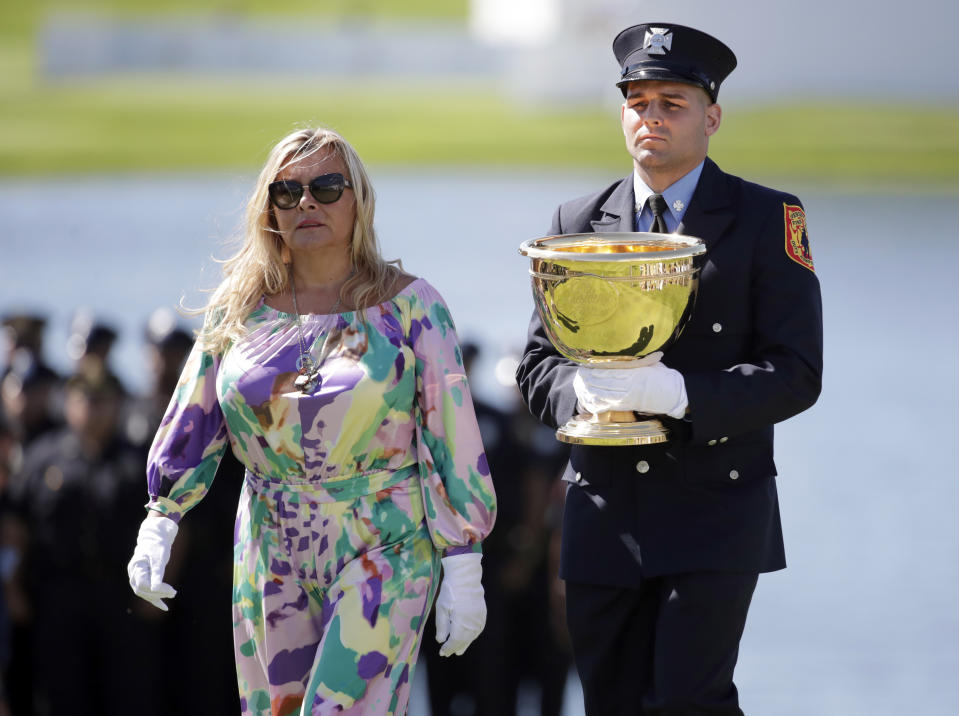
[167, 507]
[475, 548]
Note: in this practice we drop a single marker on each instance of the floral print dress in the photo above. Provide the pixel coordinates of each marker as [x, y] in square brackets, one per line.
[353, 492]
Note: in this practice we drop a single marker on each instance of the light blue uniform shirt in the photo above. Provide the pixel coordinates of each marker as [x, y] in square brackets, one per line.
[677, 196]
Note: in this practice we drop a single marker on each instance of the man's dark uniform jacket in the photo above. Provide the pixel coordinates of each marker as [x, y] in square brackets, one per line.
[751, 356]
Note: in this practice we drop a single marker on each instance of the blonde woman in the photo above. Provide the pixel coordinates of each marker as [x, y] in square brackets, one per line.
[337, 380]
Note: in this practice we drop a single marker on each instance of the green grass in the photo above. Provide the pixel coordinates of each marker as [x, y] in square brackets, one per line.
[146, 122]
[171, 125]
[842, 143]
[134, 124]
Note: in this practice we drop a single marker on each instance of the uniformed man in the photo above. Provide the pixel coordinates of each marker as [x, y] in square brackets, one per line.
[95, 651]
[197, 649]
[166, 345]
[663, 545]
[90, 344]
[28, 385]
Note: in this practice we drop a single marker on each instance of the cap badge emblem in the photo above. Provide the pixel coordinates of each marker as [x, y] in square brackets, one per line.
[658, 40]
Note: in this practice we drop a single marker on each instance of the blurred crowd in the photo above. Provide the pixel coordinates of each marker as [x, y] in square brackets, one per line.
[75, 640]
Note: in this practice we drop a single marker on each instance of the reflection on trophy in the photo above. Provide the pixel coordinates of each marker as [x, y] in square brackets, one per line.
[611, 299]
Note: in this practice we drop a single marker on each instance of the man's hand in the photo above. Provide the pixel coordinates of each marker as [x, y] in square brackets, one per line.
[648, 387]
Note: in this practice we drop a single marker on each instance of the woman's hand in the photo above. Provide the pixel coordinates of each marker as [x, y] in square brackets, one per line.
[150, 557]
[460, 607]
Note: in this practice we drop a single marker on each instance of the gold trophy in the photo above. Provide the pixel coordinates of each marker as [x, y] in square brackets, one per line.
[611, 299]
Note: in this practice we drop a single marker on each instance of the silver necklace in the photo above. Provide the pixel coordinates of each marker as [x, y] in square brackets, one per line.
[309, 370]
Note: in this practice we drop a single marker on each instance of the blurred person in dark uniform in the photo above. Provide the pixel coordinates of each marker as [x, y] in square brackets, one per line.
[519, 649]
[95, 646]
[23, 332]
[663, 544]
[28, 385]
[90, 343]
[544, 655]
[10, 548]
[11, 453]
[166, 344]
[197, 635]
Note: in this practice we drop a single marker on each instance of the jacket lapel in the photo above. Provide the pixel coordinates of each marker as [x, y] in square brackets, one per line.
[711, 209]
[618, 210]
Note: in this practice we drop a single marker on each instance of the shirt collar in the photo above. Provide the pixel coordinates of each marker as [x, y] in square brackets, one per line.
[677, 195]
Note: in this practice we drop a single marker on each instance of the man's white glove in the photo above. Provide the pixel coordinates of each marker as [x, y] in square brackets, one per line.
[648, 387]
[460, 607]
[150, 557]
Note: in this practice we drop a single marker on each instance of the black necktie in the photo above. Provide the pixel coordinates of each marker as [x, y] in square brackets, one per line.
[657, 205]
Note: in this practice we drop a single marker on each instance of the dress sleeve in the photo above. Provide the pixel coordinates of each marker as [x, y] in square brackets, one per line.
[190, 441]
[457, 487]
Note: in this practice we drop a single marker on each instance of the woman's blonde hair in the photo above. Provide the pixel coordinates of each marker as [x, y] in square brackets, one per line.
[257, 269]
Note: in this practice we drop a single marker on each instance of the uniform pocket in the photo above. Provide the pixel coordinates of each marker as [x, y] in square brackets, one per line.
[729, 465]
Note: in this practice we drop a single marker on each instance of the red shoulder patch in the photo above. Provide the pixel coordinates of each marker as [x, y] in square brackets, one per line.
[797, 240]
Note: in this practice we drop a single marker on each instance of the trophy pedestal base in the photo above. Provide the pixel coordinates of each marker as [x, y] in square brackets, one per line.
[581, 430]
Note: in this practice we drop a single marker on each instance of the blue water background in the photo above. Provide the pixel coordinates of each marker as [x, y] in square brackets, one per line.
[865, 621]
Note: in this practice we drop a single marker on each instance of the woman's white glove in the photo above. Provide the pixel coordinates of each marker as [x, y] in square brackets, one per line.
[648, 387]
[460, 607]
[150, 557]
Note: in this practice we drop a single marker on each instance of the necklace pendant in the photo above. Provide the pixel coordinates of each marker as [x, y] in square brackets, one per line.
[309, 374]
[306, 382]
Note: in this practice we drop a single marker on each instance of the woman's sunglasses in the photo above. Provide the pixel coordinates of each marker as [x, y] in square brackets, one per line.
[326, 189]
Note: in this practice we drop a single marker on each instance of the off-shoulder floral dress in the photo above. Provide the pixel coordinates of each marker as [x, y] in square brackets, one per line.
[352, 494]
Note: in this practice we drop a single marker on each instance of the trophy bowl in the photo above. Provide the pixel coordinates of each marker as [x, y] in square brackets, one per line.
[611, 299]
